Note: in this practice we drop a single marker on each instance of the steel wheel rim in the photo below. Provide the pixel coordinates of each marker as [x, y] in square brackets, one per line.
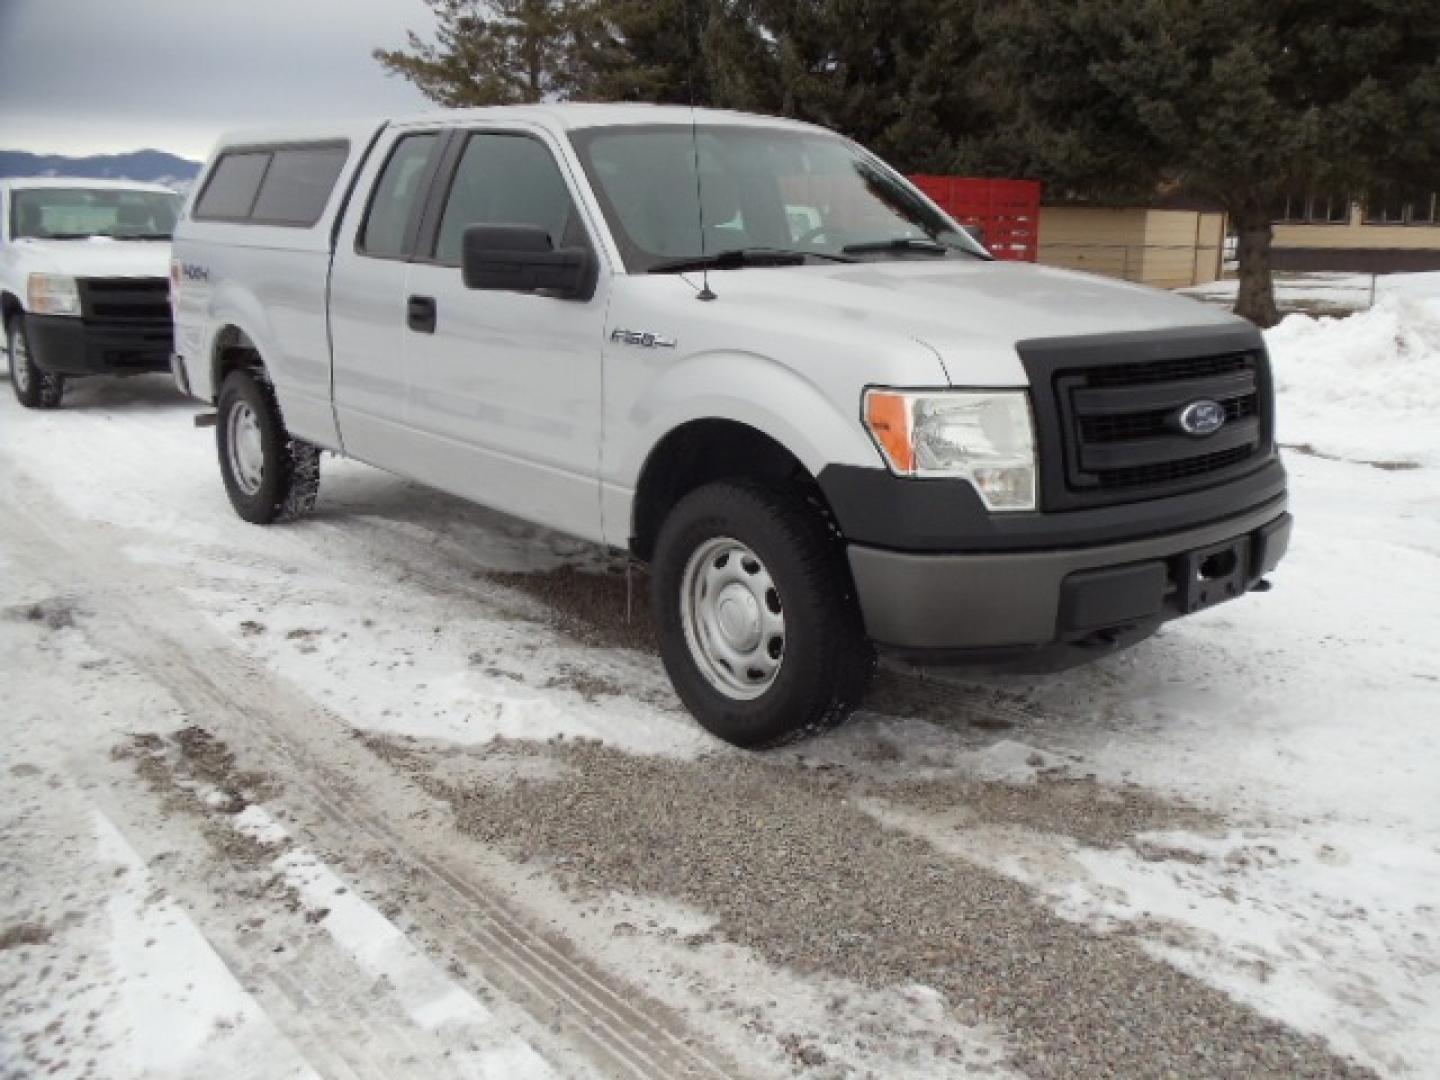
[246, 448]
[20, 362]
[733, 619]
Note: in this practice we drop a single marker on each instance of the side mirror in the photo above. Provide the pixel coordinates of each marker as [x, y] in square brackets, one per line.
[976, 233]
[519, 258]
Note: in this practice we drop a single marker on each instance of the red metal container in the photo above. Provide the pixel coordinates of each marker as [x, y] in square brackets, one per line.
[1008, 210]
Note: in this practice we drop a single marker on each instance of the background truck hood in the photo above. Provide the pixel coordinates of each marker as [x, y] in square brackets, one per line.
[971, 313]
[96, 257]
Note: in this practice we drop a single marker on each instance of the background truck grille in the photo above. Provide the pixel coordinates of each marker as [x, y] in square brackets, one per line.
[1109, 424]
[125, 299]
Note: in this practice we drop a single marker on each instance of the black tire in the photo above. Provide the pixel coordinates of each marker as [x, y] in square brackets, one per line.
[289, 469]
[35, 389]
[827, 662]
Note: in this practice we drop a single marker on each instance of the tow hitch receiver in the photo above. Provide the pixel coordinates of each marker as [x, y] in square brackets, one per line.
[1213, 574]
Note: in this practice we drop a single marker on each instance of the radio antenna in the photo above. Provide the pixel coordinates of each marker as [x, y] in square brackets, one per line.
[705, 292]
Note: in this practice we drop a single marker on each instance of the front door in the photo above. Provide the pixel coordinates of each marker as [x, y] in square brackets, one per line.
[503, 393]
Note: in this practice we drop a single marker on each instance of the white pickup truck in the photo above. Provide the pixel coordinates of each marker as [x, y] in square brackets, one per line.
[84, 284]
[749, 353]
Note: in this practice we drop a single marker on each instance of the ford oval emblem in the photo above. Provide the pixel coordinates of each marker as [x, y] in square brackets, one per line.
[1203, 417]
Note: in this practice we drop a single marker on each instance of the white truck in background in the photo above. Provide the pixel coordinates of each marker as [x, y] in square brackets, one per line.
[749, 353]
[84, 281]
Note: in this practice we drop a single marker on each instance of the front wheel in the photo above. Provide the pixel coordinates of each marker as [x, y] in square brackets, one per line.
[35, 389]
[269, 474]
[758, 628]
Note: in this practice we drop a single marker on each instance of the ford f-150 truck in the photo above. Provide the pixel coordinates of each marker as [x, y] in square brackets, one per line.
[749, 353]
[83, 281]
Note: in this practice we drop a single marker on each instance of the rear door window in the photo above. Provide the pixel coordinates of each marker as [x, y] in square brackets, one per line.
[298, 183]
[400, 187]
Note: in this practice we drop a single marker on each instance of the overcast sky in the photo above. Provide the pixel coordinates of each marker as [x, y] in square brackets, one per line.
[97, 76]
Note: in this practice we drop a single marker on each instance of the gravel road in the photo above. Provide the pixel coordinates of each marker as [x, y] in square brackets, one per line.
[781, 853]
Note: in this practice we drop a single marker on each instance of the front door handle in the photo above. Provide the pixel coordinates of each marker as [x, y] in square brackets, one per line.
[420, 314]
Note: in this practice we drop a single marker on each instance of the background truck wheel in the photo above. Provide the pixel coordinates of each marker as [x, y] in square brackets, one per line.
[35, 389]
[269, 475]
[758, 628]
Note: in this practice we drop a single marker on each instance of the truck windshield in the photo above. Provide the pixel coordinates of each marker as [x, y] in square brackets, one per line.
[65, 213]
[756, 189]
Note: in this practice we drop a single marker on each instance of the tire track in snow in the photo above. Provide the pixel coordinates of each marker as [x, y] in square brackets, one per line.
[160, 635]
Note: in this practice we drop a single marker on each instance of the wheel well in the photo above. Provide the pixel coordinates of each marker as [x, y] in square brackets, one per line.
[9, 306]
[702, 452]
[233, 349]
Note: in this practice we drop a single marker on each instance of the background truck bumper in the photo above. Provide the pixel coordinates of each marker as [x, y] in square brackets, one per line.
[66, 345]
[939, 607]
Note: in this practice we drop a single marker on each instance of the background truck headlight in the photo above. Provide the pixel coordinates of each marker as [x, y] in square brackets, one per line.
[53, 294]
[984, 436]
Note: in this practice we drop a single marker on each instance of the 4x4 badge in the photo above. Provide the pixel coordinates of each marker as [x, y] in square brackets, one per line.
[1203, 417]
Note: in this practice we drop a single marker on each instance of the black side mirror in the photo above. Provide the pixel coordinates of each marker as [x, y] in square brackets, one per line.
[519, 258]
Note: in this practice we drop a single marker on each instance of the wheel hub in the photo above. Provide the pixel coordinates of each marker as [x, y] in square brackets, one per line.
[247, 449]
[733, 622]
[738, 616]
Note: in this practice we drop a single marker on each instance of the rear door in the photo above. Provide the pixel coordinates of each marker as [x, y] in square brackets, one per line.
[503, 396]
[367, 299]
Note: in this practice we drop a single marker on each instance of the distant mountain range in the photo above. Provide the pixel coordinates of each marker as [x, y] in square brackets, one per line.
[153, 166]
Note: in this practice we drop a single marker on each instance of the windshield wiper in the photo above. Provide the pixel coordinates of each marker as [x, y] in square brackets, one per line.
[138, 236]
[735, 258]
[59, 236]
[918, 245]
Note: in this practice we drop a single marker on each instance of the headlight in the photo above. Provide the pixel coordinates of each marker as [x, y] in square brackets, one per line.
[984, 436]
[53, 294]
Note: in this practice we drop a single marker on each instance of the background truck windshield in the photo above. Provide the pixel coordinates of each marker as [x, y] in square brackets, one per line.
[759, 187]
[78, 212]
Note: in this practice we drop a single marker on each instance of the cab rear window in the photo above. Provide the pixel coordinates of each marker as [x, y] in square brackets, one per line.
[272, 185]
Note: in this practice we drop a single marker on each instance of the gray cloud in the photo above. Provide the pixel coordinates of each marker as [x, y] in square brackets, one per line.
[94, 76]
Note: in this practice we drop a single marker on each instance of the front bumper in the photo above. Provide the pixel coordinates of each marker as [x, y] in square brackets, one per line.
[67, 345]
[940, 607]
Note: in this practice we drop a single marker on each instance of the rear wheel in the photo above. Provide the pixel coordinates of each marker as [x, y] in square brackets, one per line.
[269, 474]
[35, 389]
[758, 628]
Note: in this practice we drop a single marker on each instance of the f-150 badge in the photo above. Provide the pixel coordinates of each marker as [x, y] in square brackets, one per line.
[643, 338]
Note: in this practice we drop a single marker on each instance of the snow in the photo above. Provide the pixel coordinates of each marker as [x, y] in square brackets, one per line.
[1306, 720]
[183, 1004]
[430, 997]
[1323, 292]
[1365, 387]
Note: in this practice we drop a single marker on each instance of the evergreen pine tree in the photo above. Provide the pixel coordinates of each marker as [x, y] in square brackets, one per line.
[1241, 101]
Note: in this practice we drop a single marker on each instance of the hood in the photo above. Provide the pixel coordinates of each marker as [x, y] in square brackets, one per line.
[99, 256]
[971, 313]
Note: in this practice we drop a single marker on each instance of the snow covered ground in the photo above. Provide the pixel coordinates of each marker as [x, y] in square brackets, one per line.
[399, 791]
[1322, 293]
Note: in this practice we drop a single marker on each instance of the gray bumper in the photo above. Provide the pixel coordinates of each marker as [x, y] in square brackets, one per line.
[1037, 598]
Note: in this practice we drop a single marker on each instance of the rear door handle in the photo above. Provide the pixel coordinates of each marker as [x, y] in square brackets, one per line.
[420, 314]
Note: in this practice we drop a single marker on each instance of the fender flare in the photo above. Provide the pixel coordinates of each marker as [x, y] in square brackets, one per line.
[233, 307]
[748, 389]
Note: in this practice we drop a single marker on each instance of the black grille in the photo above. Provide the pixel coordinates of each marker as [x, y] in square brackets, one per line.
[1121, 422]
[1154, 371]
[1094, 429]
[127, 300]
[1166, 472]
